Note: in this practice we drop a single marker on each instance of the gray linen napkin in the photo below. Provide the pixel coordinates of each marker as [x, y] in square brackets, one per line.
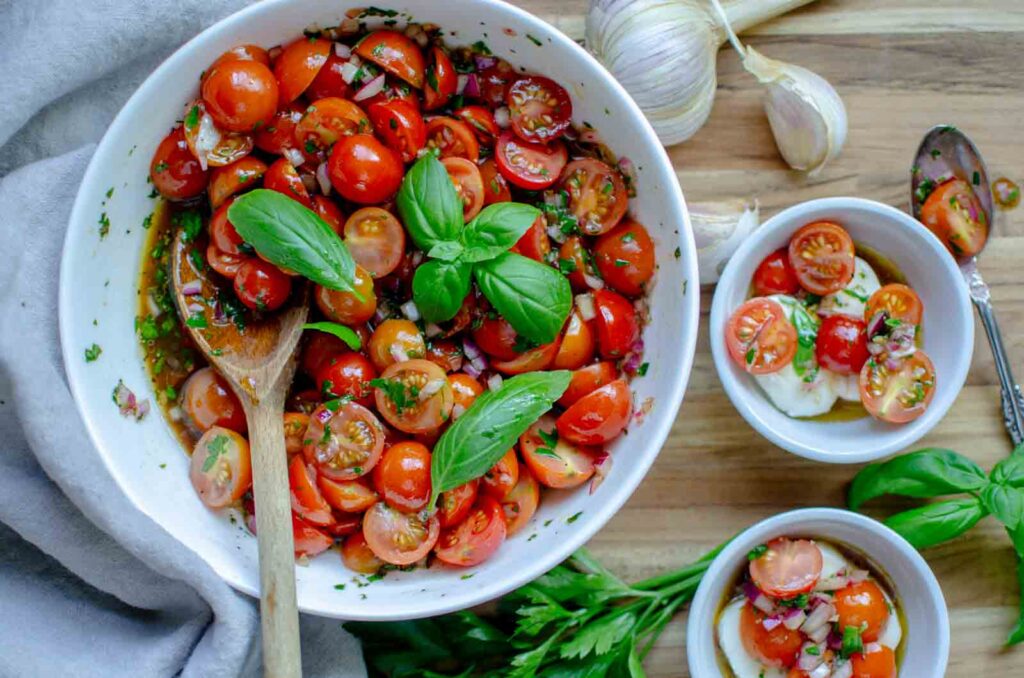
[89, 586]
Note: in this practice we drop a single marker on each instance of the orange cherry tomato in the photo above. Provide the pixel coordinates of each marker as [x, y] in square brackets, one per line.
[309, 540]
[495, 186]
[588, 379]
[625, 258]
[327, 210]
[953, 213]
[298, 64]
[319, 347]
[456, 503]
[775, 275]
[222, 262]
[446, 354]
[220, 469]
[329, 80]
[395, 340]
[327, 120]
[295, 424]
[482, 121]
[208, 401]
[897, 393]
[307, 501]
[597, 195]
[283, 178]
[418, 398]
[496, 337]
[787, 568]
[502, 477]
[539, 107]
[778, 647]
[278, 136]
[240, 95]
[222, 232]
[346, 373]
[529, 165]
[469, 185]
[375, 239]
[364, 170]
[535, 243]
[577, 347]
[440, 81]
[262, 286]
[877, 661]
[401, 126]
[174, 171]
[357, 555]
[399, 538]
[578, 262]
[396, 54]
[599, 416]
[862, 606]
[452, 138]
[898, 301]
[208, 142]
[349, 496]
[402, 477]
[465, 390]
[532, 360]
[617, 326]
[475, 539]
[345, 307]
[230, 179]
[759, 337]
[521, 503]
[822, 256]
[345, 442]
[554, 461]
[240, 53]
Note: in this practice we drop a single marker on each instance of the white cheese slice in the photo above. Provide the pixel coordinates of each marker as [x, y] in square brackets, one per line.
[854, 297]
[731, 644]
[796, 397]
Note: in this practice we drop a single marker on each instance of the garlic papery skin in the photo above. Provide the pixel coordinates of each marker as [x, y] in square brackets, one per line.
[718, 229]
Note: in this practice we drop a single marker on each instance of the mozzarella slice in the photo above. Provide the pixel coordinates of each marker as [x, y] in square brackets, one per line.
[854, 297]
[832, 561]
[847, 386]
[796, 397]
[892, 634]
[731, 643]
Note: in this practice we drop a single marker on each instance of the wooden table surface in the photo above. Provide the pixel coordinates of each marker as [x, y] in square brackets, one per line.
[901, 66]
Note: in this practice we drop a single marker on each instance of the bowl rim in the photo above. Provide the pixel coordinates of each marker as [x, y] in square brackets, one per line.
[660, 421]
[704, 607]
[740, 393]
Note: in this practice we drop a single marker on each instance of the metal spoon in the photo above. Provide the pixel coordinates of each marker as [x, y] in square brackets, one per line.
[946, 152]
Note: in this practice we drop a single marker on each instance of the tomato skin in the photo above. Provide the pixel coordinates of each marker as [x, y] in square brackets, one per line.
[278, 136]
[399, 538]
[327, 210]
[465, 390]
[446, 354]
[295, 424]
[262, 286]
[425, 416]
[455, 504]
[350, 496]
[599, 416]
[208, 401]
[319, 347]
[309, 540]
[307, 501]
[788, 568]
[586, 380]
[401, 126]
[345, 307]
[597, 195]
[496, 338]
[476, 538]
[358, 556]
[571, 466]
[842, 344]
[521, 502]
[469, 185]
[402, 476]
[345, 442]
[625, 258]
[482, 121]
[363, 170]
[346, 373]
[240, 95]
[617, 326]
[572, 250]
[759, 338]
[775, 275]
[778, 647]
[375, 239]
[535, 243]
[327, 120]
[298, 64]
[230, 179]
[395, 340]
[862, 605]
[329, 81]
[529, 165]
[453, 138]
[876, 661]
[899, 394]
[229, 475]
[222, 232]
[952, 212]
[283, 178]
[577, 347]
[223, 263]
[441, 80]
[533, 101]
[822, 257]
[898, 301]
[240, 53]
[533, 360]
[174, 171]
[494, 81]
[502, 477]
[395, 53]
[495, 186]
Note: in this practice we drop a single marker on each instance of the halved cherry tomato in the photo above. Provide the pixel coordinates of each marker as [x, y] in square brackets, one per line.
[262, 286]
[625, 258]
[358, 557]
[395, 340]
[222, 232]
[540, 108]
[482, 121]
[502, 477]
[535, 243]
[495, 186]
[475, 539]
[577, 348]
[345, 307]
[418, 398]
[307, 501]
[375, 239]
[230, 179]
[953, 213]
[240, 53]
[283, 178]
[345, 442]
[554, 461]
[778, 647]
[396, 54]
[574, 258]
[597, 194]
[529, 165]
[521, 503]
[364, 170]
[599, 416]
[456, 503]
[319, 347]
[532, 360]
[469, 185]
[900, 392]
[394, 91]
[309, 540]
[465, 390]
[496, 337]
[344, 524]
[305, 401]
[208, 401]
[775, 275]
[174, 171]
[298, 64]
[877, 661]
[446, 354]
[401, 126]
[326, 121]
[617, 326]
[209, 143]
[346, 373]
[862, 606]
[452, 138]
[295, 424]
[898, 301]
[822, 256]
[440, 81]
[402, 477]
[222, 262]
[327, 210]
[278, 136]
[842, 344]
[787, 568]
[399, 538]
[220, 469]
[329, 81]
[588, 379]
[493, 81]
[350, 496]
[240, 95]
[759, 337]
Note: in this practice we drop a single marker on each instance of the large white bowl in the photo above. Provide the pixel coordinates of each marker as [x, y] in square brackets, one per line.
[98, 281]
[948, 328]
[926, 621]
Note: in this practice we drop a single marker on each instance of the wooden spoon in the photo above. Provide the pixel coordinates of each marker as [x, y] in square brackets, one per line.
[258, 361]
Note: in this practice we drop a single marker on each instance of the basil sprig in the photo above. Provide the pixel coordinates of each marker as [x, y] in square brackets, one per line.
[292, 236]
[491, 426]
[936, 472]
[534, 298]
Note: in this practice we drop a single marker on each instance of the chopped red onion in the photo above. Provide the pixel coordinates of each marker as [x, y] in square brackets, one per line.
[472, 370]
[350, 69]
[794, 618]
[410, 310]
[859, 576]
[503, 117]
[127, 404]
[877, 324]
[844, 670]
[593, 282]
[837, 581]
[757, 598]
[602, 466]
[494, 382]
[585, 305]
[294, 156]
[309, 181]
[342, 51]
[590, 136]
[627, 168]
[811, 657]
[820, 634]
[470, 348]
[432, 330]
[480, 363]
[472, 85]
[818, 619]
[207, 138]
[152, 306]
[372, 88]
[834, 641]
[483, 61]
[460, 83]
[195, 308]
[175, 413]
[382, 313]
[417, 258]
[416, 33]
[822, 671]
[322, 179]
[274, 52]
[398, 353]
[219, 316]
[771, 623]
[192, 288]
[430, 388]
[323, 415]
[458, 410]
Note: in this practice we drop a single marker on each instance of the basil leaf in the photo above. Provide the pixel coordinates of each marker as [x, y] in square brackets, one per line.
[930, 472]
[497, 228]
[448, 250]
[935, 523]
[805, 362]
[292, 236]
[439, 287]
[1005, 503]
[490, 426]
[1010, 471]
[534, 298]
[338, 330]
[1017, 635]
[430, 207]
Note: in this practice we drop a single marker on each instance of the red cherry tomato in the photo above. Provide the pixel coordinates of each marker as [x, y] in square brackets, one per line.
[319, 347]
[345, 442]
[617, 326]
[588, 379]
[298, 64]
[625, 258]
[240, 53]
[482, 121]
[862, 606]
[495, 186]
[220, 469]
[778, 647]
[599, 416]
[540, 108]
[440, 81]
[329, 81]
[554, 461]
[349, 496]
[457, 503]
[399, 538]
[327, 210]
[577, 347]
[898, 301]
[240, 95]
[222, 232]
[842, 344]
[174, 171]
[401, 126]
[469, 185]
[502, 477]
[452, 138]
[898, 392]
[283, 178]
[345, 307]
[222, 262]
[375, 239]
[877, 661]
[402, 477]
[278, 136]
[822, 257]
[529, 165]
[395, 340]
[494, 80]
[262, 286]
[230, 179]
[309, 541]
[396, 54]
[535, 243]
[521, 502]
[405, 406]
[476, 538]
[447, 354]
[496, 337]
[307, 501]
[574, 258]
[759, 337]
[787, 568]
[346, 374]
[364, 170]
[208, 401]
[358, 556]
[953, 213]
[326, 121]
[775, 275]
[597, 195]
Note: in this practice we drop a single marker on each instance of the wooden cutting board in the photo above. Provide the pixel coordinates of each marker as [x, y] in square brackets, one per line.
[901, 66]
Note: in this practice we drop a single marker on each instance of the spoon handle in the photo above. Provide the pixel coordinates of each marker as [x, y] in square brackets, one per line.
[1013, 402]
[279, 614]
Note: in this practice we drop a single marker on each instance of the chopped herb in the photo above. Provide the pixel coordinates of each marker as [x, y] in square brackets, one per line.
[92, 353]
[813, 650]
[171, 393]
[627, 237]
[197, 320]
[197, 259]
[976, 178]
[534, 40]
[550, 441]
[467, 576]
[310, 147]
[148, 221]
[110, 192]
[216, 448]
[642, 370]
[192, 119]
[163, 465]
[190, 223]
[852, 642]
[621, 263]
[481, 47]
[800, 601]
[339, 587]
[567, 266]
[678, 253]
[401, 395]
[751, 355]
[104, 225]
[523, 344]
[859, 297]
[757, 552]
[574, 517]
[160, 167]
[936, 153]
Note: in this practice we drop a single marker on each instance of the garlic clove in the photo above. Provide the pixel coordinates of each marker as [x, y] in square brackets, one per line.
[718, 229]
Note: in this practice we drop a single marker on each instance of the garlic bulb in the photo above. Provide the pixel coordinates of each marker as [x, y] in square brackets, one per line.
[664, 53]
[718, 229]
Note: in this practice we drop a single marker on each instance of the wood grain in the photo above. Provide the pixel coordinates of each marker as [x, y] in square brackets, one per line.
[901, 67]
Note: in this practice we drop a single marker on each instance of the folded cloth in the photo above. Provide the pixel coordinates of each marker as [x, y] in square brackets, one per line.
[89, 586]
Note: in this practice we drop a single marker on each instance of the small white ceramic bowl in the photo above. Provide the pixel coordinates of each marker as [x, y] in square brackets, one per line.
[948, 328]
[926, 621]
[98, 304]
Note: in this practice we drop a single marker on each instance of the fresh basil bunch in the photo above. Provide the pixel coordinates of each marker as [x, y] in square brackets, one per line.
[936, 472]
[533, 297]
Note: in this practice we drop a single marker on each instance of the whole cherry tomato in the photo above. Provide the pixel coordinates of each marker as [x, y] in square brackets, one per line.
[617, 326]
[346, 374]
[842, 344]
[174, 171]
[599, 416]
[775, 275]
[402, 476]
[240, 95]
[625, 258]
[364, 170]
[262, 286]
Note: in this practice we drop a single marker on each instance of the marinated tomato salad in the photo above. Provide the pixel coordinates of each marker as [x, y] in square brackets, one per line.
[478, 287]
[806, 609]
[824, 326]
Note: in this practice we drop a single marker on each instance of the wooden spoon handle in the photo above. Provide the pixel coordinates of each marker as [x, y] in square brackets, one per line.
[278, 608]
